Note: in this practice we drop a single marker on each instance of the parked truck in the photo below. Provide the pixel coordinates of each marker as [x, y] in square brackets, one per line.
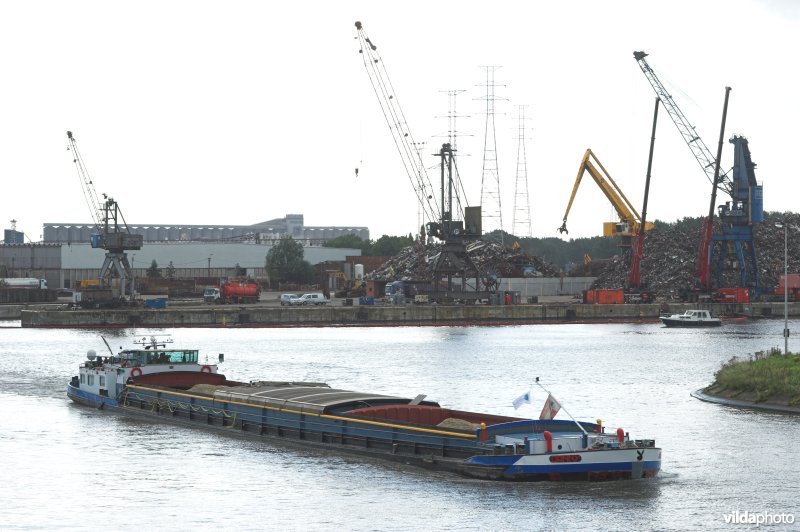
[92, 297]
[23, 282]
[233, 292]
[25, 290]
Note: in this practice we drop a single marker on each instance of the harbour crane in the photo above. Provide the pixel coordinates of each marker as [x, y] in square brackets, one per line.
[452, 221]
[734, 246]
[629, 219]
[111, 231]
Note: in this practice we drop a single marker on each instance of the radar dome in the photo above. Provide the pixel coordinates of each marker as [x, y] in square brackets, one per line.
[91, 354]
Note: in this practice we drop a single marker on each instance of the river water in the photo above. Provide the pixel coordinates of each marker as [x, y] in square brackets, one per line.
[66, 466]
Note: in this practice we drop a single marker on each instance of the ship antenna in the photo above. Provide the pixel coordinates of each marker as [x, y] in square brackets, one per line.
[108, 346]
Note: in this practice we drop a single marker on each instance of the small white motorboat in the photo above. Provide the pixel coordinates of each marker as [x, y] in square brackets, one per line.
[691, 318]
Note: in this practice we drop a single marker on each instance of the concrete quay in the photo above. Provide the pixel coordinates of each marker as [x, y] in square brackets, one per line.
[378, 315]
[14, 312]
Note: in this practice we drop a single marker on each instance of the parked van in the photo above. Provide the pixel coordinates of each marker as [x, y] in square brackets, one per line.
[310, 299]
[286, 299]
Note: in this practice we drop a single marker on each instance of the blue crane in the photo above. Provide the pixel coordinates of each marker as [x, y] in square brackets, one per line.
[732, 249]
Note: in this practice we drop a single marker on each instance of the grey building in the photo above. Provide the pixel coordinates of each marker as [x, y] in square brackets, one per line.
[264, 232]
[65, 256]
[64, 264]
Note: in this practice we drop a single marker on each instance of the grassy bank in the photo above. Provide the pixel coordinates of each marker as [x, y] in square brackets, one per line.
[768, 377]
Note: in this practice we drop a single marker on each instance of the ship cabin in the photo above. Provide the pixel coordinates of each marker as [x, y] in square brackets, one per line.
[146, 357]
[181, 368]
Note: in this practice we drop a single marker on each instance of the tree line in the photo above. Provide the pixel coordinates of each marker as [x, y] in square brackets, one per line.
[285, 262]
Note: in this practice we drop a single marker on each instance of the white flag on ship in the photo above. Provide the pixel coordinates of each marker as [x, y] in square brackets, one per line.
[522, 399]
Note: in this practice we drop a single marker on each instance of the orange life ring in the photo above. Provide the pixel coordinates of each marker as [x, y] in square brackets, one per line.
[135, 372]
[205, 369]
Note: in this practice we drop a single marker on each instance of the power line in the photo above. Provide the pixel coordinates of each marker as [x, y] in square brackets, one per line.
[491, 204]
[521, 225]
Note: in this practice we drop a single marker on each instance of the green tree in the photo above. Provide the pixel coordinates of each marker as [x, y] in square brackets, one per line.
[350, 241]
[391, 245]
[285, 262]
[239, 271]
[170, 270]
[154, 272]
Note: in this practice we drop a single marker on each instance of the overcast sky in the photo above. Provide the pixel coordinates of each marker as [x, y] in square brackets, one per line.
[238, 112]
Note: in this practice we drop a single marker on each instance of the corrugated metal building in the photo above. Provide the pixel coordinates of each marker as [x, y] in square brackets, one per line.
[63, 264]
[271, 230]
[65, 256]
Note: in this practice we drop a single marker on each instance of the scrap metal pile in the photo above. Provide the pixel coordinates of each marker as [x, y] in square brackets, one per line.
[491, 258]
[670, 257]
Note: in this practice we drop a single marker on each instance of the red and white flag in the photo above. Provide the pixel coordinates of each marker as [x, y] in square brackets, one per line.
[551, 408]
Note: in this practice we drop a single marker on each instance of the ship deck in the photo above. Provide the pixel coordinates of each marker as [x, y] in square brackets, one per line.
[306, 397]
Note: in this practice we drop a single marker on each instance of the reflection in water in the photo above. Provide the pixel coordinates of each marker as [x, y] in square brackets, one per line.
[71, 461]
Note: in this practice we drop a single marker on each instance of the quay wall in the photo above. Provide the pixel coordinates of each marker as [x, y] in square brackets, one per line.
[368, 315]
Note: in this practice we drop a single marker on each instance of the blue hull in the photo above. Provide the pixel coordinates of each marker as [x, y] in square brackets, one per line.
[90, 399]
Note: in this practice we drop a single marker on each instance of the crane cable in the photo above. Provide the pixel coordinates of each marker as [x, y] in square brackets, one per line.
[460, 187]
[687, 131]
[395, 119]
[89, 193]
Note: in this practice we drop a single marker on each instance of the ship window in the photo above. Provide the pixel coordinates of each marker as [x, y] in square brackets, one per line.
[90, 379]
[157, 358]
[186, 356]
[83, 378]
[171, 357]
[102, 380]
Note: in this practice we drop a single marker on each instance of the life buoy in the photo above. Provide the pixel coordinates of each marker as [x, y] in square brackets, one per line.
[205, 369]
[135, 372]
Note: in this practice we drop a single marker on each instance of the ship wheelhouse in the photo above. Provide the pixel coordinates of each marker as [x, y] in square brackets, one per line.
[145, 357]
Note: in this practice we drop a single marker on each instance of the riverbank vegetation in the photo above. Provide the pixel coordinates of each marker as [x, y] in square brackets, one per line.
[767, 376]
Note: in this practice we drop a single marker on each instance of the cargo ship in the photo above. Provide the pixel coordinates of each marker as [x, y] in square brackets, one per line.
[155, 381]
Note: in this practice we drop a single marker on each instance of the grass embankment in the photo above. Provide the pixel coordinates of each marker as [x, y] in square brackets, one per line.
[766, 377]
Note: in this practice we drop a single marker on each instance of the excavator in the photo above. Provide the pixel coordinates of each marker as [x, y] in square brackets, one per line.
[346, 287]
[629, 220]
[632, 227]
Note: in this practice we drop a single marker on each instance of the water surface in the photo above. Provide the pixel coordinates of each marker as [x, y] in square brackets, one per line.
[72, 467]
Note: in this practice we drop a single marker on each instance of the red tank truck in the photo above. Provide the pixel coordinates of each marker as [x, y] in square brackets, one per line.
[233, 292]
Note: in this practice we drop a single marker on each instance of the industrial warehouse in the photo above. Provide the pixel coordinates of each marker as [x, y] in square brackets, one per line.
[65, 256]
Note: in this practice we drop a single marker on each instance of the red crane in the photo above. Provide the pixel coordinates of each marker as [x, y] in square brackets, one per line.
[704, 251]
[637, 249]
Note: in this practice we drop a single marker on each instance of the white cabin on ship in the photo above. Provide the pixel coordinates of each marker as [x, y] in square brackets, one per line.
[107, 376]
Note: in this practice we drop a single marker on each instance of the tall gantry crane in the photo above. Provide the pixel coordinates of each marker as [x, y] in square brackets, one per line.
[111, 230]
[734, 247]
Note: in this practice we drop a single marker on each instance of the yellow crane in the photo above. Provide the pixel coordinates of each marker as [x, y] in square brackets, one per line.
[629, 219]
